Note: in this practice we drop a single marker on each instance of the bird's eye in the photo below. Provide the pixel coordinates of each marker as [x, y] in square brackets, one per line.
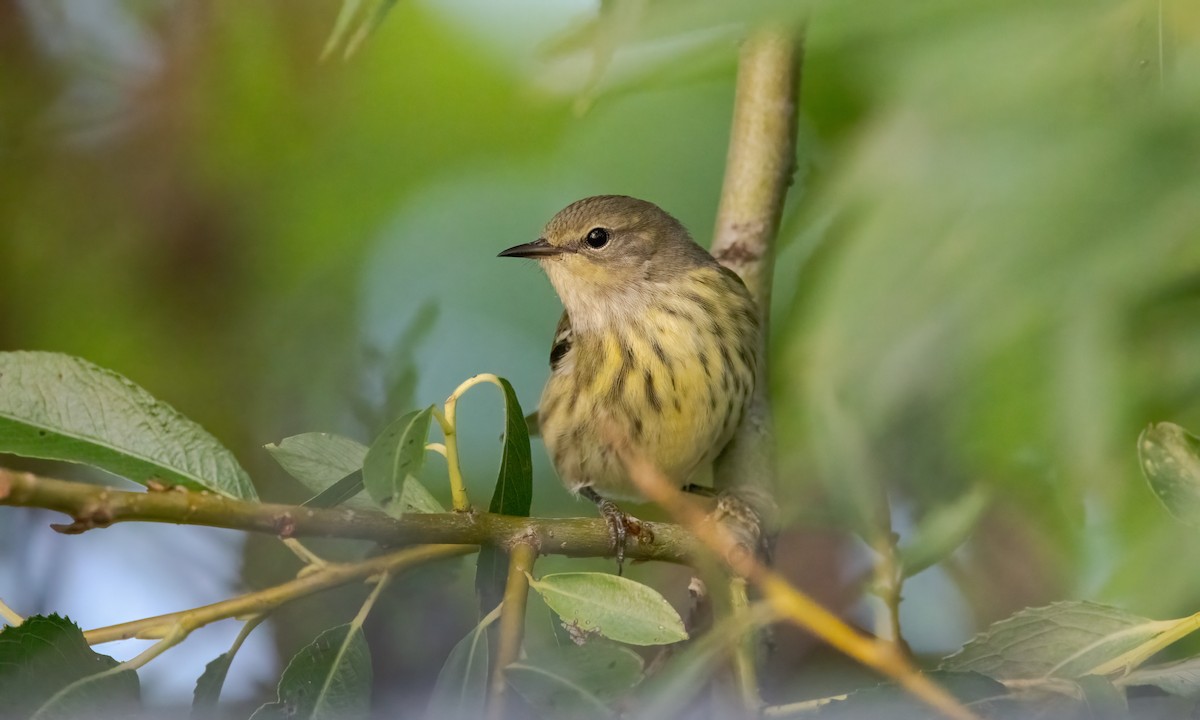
[597, 238]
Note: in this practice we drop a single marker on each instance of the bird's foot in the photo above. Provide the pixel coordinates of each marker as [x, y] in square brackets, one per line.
[620, 525]
[748, 518]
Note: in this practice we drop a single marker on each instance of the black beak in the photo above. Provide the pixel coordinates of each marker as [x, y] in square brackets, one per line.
[539, 248]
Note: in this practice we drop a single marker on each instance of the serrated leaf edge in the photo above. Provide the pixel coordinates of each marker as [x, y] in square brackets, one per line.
[1000, 625]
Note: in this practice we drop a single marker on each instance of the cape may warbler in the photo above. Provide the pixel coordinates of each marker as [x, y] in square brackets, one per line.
[657, 347]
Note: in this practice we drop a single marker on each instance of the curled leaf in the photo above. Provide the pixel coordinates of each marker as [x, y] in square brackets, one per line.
[1170, 460]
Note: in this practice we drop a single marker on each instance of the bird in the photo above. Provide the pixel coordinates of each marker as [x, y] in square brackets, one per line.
[657, 349]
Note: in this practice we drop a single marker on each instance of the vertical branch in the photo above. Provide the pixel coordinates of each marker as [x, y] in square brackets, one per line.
[512, 624]
[761, 159]
[744, 671]
[888, 585]
[758, 172]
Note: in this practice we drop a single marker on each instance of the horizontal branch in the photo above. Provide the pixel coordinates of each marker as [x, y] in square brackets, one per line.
[96, 506]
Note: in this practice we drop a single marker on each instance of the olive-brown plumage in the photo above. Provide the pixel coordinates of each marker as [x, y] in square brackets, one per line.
[657, 346]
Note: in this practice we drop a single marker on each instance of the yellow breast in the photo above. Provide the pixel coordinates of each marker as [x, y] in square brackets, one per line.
[671, 380]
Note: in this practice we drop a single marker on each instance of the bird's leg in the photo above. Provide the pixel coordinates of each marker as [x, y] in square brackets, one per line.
[620, 524]
[750, 518]
[703, 491]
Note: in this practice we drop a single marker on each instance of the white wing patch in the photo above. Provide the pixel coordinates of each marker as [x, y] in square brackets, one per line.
[561, 357]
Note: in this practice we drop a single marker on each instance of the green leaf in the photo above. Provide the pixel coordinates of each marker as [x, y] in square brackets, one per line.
[1064, 640]
[461, 687]
[1102, 699]
[942, 530]
[616, 607]
[60, 407]
[666, 693]
[212, 680]
[318, 459]
[396, 455]
[106, 694]
[514, 485]
[1170, 459]
[343, 492]
[48, 670]
[330, 679]
[341, 26]
[491, 573]
[513, 496]
[576, 681]
[1177, 678]
[416, 498]
[369, 25]
[326, 464]
[413, 498]
[208, 687]
[895, 703]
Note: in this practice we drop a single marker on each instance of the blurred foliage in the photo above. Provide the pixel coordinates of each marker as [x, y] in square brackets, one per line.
[1010, 230]
[989, 279]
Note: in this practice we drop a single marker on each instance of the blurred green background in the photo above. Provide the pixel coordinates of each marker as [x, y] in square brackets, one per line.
[988, 281]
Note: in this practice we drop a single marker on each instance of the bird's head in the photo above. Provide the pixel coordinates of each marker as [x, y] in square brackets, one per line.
[609, 249]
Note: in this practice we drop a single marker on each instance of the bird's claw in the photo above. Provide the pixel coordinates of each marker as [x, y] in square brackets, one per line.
[618, 533]
[620, 526]
[743, 519]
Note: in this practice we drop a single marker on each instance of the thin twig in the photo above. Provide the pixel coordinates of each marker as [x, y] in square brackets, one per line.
[512, 624]
[247, 628]
[744, 671]
[94, 506]
[306, 556]
[458, 490]
[791, 604]
[797, 708]
[365, 610]
[888, 585]
[449, 424]
[262, 601]
[10, 616]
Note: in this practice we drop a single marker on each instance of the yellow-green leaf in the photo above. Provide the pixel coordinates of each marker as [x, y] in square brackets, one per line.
[60, 407]
[1170, 460]
[616, 607]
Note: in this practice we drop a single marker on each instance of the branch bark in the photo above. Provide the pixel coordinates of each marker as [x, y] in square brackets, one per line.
[758, 171]
[95, 506]
[512, 625]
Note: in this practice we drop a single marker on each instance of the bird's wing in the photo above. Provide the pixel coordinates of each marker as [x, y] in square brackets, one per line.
[732, 275]
[562, 343]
